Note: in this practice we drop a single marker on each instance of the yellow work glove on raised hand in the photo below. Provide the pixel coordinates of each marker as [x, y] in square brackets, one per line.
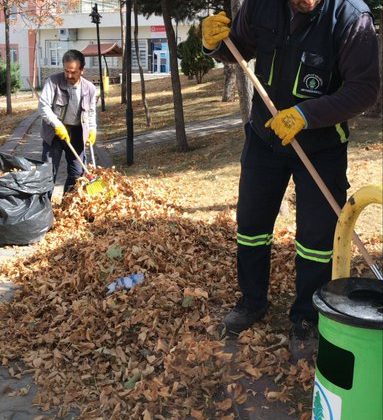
[62, 133]
[92, 137]
[215, 28]
[287, 124]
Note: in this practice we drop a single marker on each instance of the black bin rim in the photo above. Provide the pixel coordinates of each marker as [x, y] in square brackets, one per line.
[353, 301]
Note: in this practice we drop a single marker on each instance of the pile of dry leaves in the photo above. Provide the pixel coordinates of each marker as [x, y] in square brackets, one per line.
[152, 351]
[3, 173]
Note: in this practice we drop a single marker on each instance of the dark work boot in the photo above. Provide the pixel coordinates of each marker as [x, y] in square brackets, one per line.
[303, 342]
[241, 318]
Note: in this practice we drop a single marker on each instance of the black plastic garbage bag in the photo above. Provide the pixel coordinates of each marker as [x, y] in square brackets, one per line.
[25, 208]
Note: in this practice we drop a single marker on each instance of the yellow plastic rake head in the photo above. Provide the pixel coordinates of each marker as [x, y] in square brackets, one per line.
[96, 186]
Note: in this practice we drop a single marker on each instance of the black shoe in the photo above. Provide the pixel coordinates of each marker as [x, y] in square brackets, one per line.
[303, 342]
[241, 318]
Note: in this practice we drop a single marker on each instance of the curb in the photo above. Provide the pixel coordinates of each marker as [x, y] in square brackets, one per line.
[104, 158]
[191, 128]
[22, 129]
[167, 135]
[10, 145]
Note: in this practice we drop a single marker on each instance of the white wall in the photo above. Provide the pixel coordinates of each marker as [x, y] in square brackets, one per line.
[86, 33]
[84, 38]
[108, 19]
[18, 34]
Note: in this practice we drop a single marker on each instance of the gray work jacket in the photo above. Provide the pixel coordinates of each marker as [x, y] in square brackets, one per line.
[55, 96]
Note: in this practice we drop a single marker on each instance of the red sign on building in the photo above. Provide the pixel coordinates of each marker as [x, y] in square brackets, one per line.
[158, 28]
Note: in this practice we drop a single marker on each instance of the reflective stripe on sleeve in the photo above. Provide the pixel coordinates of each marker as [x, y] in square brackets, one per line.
[342, 135]
[295, 88]
[270, 81]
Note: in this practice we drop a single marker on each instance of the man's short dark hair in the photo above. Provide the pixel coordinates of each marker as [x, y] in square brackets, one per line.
[74, 55]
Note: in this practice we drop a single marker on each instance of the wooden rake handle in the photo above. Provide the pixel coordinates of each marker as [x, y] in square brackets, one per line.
[78, 157]
[298, 149]
[92, 154]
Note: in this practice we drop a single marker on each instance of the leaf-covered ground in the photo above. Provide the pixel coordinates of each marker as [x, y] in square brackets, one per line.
[153, 351]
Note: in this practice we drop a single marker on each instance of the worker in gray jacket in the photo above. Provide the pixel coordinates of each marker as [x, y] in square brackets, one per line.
[67, 106]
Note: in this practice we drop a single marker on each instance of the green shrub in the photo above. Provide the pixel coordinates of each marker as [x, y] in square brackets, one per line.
[15, 78]
[194, 63]
[376, 7]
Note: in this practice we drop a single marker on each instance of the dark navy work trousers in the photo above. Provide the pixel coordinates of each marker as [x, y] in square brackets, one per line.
[52, 153]
[264, 177]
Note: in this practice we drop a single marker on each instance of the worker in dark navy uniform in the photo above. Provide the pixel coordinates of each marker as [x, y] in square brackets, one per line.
[318, 61]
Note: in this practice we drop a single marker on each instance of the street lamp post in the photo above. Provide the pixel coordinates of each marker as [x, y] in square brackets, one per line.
[96, 19]
[128, 62]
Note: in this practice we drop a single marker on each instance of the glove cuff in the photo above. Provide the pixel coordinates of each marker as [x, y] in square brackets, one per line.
[302, 115]
[209, 47]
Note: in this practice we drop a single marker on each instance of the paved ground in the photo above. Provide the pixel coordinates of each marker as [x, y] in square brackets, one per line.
[117, 147]
[26, 142]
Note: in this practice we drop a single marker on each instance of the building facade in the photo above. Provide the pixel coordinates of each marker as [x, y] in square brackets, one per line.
[22, 46]
[77, 31]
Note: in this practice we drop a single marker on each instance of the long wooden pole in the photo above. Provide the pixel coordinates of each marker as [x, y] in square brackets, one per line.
[302, 155]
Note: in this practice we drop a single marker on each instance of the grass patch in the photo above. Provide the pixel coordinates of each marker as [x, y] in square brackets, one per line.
[22, 106]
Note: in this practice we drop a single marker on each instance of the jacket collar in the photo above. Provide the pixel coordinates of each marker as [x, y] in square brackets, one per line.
[64, 86]
[317, 11]
[84, 86]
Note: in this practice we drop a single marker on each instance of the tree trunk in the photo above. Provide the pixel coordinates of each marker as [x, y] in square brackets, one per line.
[245, 88]
[123, 77]
[34, 70]
[143, 90]
[182, 143]
[7, 61]
[199, 77]
[378, 108]
[245, 91]
[380, 39]
[229, 82]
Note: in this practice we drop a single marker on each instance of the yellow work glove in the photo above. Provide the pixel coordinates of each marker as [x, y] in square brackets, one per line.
[92, 137]
[287, 124]
[215, 28]
[62, 133]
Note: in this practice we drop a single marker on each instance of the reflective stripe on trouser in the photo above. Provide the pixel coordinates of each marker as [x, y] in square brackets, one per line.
[313, 254]
[316, 222]
[254, 257]
[257, 240]
[260, 195]
[264, 178]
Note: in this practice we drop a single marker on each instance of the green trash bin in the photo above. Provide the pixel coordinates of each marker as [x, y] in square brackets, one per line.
[349, 370]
